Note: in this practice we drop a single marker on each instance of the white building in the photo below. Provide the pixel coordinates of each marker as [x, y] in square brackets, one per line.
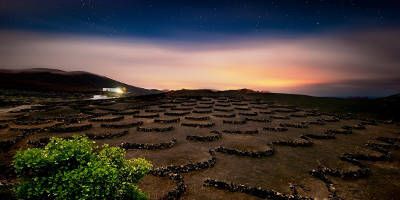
[117, 90]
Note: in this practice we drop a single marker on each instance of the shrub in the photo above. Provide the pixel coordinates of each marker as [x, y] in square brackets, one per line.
[78, 169]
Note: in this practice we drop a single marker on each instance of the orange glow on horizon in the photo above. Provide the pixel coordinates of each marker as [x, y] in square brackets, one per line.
[274, 64]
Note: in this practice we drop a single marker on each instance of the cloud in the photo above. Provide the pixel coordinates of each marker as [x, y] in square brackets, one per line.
[330, 64]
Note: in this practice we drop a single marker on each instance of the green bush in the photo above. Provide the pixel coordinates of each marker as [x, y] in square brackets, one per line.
[78, 169]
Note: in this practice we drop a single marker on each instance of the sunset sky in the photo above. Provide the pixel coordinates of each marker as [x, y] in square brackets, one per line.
[322, 48]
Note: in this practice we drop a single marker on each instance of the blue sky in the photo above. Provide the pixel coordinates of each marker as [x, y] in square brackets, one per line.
[321, 48]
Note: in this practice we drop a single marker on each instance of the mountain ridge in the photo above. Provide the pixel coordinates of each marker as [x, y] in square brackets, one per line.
[55, 80]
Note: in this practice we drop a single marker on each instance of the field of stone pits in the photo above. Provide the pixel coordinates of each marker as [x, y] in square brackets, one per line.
[224, 148]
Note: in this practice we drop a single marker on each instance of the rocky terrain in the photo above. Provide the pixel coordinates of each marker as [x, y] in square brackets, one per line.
[223, 145]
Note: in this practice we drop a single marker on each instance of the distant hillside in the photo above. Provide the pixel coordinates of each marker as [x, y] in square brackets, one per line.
[43, 79]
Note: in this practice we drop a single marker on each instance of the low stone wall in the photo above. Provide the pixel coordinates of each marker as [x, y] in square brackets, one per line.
[389, 140]
[167, 106]
[176, 113]
[355, 127]
[225, 115]
[333, 119]
[198, 118]
[107, 135]
[366, 157]
[209, 138]
[254, 119]
[284, 110]
[182, 109]
[245, 132]
[158, 146]
[161, 171]
[275, 129]
[148, 115]
[129, 112]
[206, 103]
[338, 131]
[203, 107]
[154, 110]
[223, 110]
[266, 112]
[253, 154]
[291, 125]
[260, 107]
[319, 136]
[41, 142]
[189, 104]
[297, 115]
[254, 191]
[248, 113]
[242, 108]
[8, 143]
[321, 172]
[369, 122]
[155, 129]
[31, 122]
[122, 125]
[202, 111]
[167, 121]
[71, 128]
[3, 126]
[279, 117]
[222, 104]
[198, 125]
[238, 103]
[300, 142]
[180, 187]
[109, 119]
[316, 122]
[234, 121]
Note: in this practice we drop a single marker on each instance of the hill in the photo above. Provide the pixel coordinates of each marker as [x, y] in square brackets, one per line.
[43, 79]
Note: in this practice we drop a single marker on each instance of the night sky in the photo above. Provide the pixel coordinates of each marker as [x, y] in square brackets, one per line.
[323, 48]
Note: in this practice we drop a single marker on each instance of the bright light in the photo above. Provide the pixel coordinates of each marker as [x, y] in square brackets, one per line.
[119, 90]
